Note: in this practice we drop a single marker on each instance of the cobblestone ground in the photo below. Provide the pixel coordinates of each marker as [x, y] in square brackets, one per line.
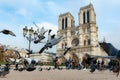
[61, 75]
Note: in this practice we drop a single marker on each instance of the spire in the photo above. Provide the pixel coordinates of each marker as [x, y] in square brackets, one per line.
[90, 3]
[104, 40]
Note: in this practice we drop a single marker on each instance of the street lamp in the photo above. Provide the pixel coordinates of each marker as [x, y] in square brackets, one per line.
[28, 33]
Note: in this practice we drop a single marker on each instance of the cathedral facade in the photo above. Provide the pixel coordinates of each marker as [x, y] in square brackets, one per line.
[82, 38]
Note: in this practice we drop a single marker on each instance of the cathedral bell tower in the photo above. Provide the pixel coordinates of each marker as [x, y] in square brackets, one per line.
[82, 38]
[65, 24]
[88, 29]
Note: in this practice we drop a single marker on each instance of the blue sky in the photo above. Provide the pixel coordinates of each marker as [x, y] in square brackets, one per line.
[15, 14]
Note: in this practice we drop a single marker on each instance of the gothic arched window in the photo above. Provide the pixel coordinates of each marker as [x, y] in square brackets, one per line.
[84, 42]
[89, 42]
[83, 17]
[71, 22]
[66, 22]
[65, 44]
[62, 46]
[88, 16]
[62, 23]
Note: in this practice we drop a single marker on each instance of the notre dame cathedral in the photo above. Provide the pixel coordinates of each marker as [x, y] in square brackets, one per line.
[82, 38]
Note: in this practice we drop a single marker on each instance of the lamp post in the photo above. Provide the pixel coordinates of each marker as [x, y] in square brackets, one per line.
[28, 33]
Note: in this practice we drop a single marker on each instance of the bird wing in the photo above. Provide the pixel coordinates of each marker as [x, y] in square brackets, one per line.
[106, 57]
[11, 33]
[42, 49]
[67, 49]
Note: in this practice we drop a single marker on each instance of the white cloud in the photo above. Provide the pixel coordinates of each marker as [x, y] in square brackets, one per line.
[22, 12]
[20, 3]
[54, 8]
[48, 25]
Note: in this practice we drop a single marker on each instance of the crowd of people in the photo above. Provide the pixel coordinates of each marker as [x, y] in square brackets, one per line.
[92, 64]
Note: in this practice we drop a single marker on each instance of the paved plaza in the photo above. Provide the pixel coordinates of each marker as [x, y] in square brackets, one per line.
[61, 75]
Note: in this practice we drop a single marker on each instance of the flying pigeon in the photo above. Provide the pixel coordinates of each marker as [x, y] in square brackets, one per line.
[7, 32]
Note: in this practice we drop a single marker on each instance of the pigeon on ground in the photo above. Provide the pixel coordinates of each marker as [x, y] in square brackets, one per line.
[31, 69]
[48, 68]
[40, 69]
[5, 70]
